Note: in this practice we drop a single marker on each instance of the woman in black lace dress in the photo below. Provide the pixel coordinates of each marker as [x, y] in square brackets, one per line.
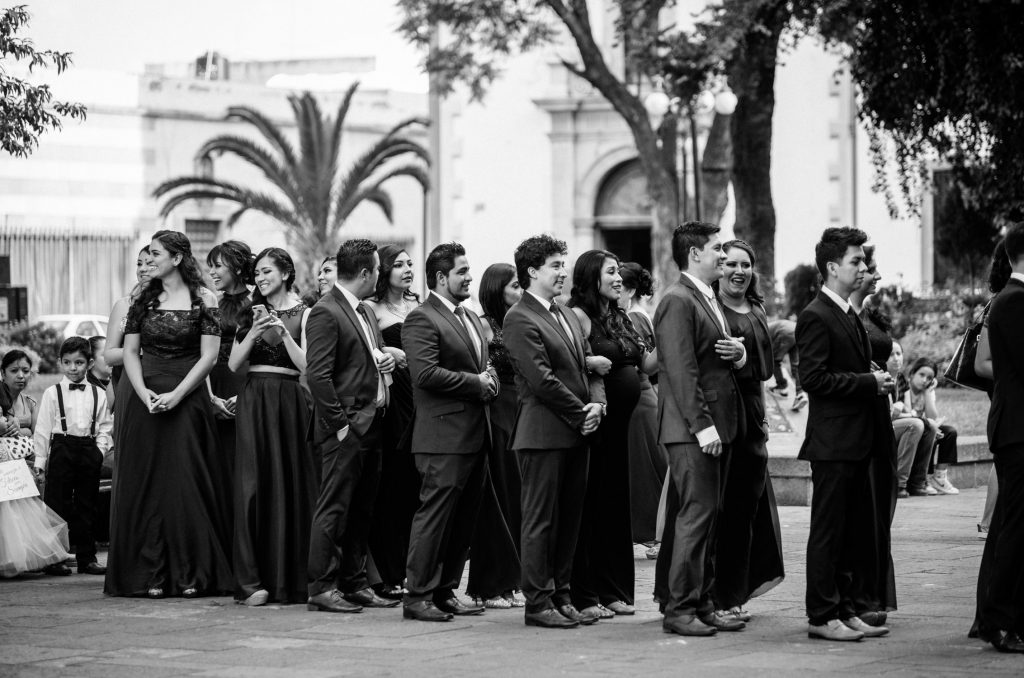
[748, 557]
[168, 531]
[879, 592]
[231, 270]
[603, 574]
[275, 487]
[495, 570]
[398, 495]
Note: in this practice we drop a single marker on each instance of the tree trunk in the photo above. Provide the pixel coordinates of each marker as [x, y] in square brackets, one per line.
[752, 76]
[716, 170]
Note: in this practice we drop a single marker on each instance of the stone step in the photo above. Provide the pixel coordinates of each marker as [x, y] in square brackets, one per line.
[791, 477]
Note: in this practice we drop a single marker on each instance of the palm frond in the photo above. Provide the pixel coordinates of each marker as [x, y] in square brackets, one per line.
[254, 154]
[339, 120]
[372, 190]
[270, 131]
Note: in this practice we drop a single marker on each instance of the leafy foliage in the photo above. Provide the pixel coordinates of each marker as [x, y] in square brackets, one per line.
[26, 110]
[939, 81]
[312, 195]
[40, 339]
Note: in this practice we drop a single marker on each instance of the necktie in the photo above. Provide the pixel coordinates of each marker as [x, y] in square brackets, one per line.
[76, 387]
[460, 313]
[557, 312]
[382, 380]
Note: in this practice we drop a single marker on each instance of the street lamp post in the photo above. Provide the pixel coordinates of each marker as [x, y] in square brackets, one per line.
[658, 104]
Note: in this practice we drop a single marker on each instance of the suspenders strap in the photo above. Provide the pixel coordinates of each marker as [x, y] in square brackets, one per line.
[95, 407]
[60, 405]
[63, 415]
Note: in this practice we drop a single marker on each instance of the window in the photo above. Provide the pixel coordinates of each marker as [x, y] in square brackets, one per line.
[203, 235]
[87, 328]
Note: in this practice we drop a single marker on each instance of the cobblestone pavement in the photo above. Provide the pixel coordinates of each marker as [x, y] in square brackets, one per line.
[65, 626]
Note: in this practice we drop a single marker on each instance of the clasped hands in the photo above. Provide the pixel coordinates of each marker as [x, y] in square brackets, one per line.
[730, 349]
[884, 381]
[162, 402]
[594, 413]
[488, 386]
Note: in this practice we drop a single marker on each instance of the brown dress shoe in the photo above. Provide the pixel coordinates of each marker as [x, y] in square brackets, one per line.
[550, 619]
[424, 610]
[833, 629]
[723, 623]
[873, 618]
[455, 606]
[584, 618]
[858, 624]
[621, 609]
[92, 568]
[368, 598]
[687, 626]
[331, 601]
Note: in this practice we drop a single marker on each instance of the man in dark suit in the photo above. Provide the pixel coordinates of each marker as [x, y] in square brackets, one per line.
[559, 403]
[346, 367]
[698, 417]
[848, 430]
[452, 385]
[1002, 595]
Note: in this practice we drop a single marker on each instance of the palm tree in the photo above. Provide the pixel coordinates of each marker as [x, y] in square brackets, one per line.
[313, 196]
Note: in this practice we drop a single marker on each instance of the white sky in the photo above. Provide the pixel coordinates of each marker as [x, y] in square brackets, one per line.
[125, 34]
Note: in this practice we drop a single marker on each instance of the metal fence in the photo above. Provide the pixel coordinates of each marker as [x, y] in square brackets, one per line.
[69, 270]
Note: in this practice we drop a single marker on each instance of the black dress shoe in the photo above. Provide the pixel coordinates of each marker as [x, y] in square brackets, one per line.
[57, 570]
[1007, 641]
[424, 610]
[92, 568]
[190, 592]
[331, 601]
[873, 618]
[455, 606]
[367, 598]
[550, 619]
[570, 612]
[721, 623]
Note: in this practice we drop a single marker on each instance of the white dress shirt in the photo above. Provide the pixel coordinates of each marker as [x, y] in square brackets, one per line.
[546, 303]
[843, 304]
[371, 343]
[78, 408]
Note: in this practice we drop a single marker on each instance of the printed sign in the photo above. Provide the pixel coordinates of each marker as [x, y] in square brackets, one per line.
[16, 481]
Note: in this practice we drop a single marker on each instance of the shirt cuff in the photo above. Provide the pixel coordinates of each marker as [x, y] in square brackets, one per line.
[707, 436]
[742, 360]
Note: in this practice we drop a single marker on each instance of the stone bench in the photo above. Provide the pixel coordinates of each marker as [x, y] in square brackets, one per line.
[791, 477]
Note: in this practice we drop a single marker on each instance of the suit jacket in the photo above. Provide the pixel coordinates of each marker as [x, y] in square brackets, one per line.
[1006, 337]
[451, 414]
[551, 376]
[340, 368]
[847, 418]
[696, 388]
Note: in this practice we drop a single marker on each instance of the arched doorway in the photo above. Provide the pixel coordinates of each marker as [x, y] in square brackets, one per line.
[623, 214]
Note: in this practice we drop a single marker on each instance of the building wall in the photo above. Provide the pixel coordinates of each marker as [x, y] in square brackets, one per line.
[98, 176]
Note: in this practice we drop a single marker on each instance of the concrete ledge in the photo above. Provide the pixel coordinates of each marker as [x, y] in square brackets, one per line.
[791, 477]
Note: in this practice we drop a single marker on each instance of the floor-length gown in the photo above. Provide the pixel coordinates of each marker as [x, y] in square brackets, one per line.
[648, 460]
[748, 553]
[275, 487]
[168, 527]
[399, 489]
[603, 571]
[494, 565]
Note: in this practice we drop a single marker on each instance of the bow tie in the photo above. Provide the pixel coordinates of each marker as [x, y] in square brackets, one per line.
[76, 387]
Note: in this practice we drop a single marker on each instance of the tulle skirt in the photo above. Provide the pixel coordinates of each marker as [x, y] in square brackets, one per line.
[31, 536]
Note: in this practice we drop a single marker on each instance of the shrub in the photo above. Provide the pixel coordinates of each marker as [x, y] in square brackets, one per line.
[41, 340]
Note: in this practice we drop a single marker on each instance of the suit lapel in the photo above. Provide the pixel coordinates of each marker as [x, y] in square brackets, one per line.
[454, 321]
[704, 304]
[844, 320]
[548, 318]
[478, 326]
[348, 312]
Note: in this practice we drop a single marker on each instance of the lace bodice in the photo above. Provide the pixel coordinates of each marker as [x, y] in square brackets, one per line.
[172, 334]
[499, 357]
[269, 349]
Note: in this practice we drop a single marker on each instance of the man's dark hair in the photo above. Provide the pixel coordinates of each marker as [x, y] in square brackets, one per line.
[1013, 243]
[533, 252]
[691, 234]
[75, 345]
[442, 260]
[353, 256]
[833, 245]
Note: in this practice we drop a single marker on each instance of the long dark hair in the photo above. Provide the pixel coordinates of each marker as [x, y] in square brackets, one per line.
[283, 262]
[235, 255]
[492, 291]
[176, 243]
[999, 272]
[753, 293]
[586, 294]
[388, 254]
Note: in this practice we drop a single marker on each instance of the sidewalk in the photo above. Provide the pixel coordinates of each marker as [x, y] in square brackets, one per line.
[65, 626]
